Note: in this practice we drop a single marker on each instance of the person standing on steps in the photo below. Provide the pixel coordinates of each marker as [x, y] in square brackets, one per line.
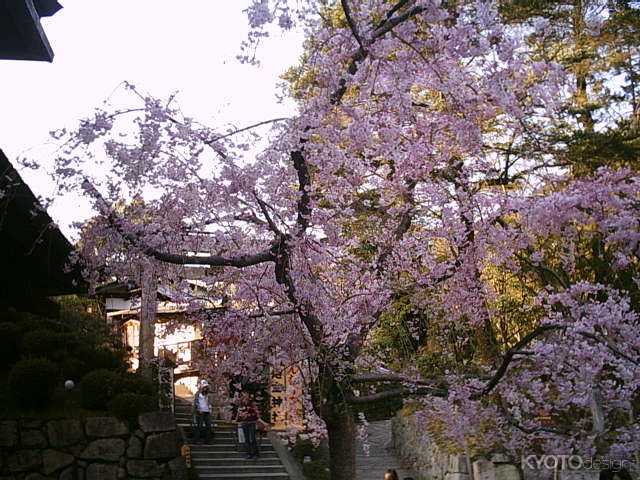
[202, 410]
[248, 415]
[235, 389]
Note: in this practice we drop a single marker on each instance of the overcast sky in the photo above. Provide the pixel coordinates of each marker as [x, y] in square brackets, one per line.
[158, 45]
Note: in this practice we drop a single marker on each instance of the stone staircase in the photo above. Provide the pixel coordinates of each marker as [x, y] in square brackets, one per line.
[224, 458]
[380, 457]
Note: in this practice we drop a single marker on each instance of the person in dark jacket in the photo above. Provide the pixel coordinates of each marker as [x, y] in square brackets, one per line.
[235, 389]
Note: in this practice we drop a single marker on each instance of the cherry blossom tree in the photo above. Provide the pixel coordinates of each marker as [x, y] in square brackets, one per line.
[384, 182]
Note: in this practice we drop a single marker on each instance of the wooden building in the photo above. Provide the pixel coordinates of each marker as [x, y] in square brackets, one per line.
[34, 254]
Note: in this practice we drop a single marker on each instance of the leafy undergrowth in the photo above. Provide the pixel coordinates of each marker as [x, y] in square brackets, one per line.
[64, 404]
[316, 466]
[39, 354]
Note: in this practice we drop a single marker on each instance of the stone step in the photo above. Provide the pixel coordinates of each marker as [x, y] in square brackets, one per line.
[247, 468]
[218, 429]
[223, 432]
[237, 460]
[178, 406]
[232, 450]
[224, 457]
[189, 412]
[234, 455]
[266, 444]
[228, 441]
[187, 409]
[215, 437]
[244, 476]
[218, 447]
[185, 424]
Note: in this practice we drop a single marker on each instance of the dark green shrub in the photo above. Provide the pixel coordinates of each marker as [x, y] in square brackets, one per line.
[316, 470]
[98, 388]
[303, 448]
[10, 316]
[73, 368]
[129, 405]
[136, 383]
[43, 343]
[9, 340]
[102, 358]
[318, 467]
[32, 381]
[71, 342]
[29, 323]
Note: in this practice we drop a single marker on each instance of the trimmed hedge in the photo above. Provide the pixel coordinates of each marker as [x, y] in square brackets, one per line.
[102, 358]
[316, 470]
[32, 381]
[43, 343]
[99, 387]
[318, 467]
[129, 405]
[73, 368]
[136, 383]
[9, 340]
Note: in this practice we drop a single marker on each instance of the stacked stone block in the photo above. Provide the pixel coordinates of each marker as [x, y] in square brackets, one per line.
[97, 448]
[420, 453]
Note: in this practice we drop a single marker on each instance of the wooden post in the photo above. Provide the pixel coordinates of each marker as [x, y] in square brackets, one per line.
[596, 410]
[148, 310]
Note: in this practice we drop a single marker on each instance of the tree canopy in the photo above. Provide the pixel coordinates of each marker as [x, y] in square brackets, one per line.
[430, 177]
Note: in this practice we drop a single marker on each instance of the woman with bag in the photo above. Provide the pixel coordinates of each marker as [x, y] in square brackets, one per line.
[248, 416]
[262, 427]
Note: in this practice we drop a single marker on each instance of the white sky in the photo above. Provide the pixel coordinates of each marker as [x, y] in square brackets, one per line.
[158, 45]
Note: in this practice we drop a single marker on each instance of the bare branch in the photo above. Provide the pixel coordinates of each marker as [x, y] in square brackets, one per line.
[274, 313]
[387, 377]
[249, 217]
[304, 183]
[265, 212]
[609, 344]
[244, 129]
[515, 350]
[393, 22]
[352, 25]
[540, 268]
[238, 261]
[385, 27]
[396, 393]
[392, 11]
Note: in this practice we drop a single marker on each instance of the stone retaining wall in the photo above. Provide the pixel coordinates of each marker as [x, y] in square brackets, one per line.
[98, 448]
[420, 453]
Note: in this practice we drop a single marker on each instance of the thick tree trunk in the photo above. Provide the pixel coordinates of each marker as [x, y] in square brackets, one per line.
[342, 446]
[148, 310]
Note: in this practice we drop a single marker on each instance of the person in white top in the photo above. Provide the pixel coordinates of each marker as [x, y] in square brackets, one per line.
[202, 410]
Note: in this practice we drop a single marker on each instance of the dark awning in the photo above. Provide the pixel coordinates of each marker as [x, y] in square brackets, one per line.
[34, 254]
[21, 34]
